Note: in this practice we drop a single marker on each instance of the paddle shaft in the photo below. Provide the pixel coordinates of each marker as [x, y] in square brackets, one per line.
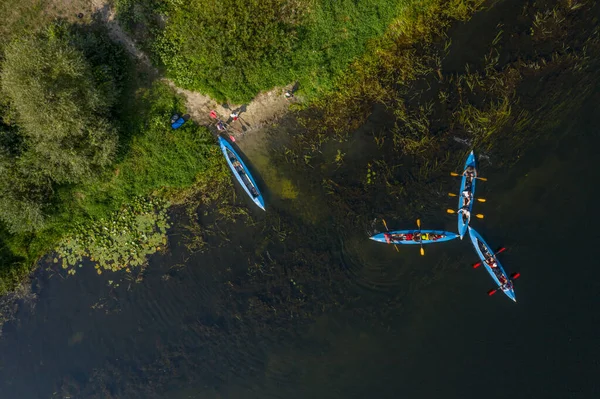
[388, 230]
[458, 174]
[476, 265]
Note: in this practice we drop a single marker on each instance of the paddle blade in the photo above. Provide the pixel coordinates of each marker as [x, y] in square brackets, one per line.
[476, 265]
[482, 178]
[385, 224]
[450, 211]
[451, 195]
[454, 174]
[481, 199]
[419, 223]
[422, 251]
[479, 216]
[515, 276]
[500, 250]
[395, 246]
[492, 292]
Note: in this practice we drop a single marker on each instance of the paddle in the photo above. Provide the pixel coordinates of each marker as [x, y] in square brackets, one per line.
[457, 174]
[513, 277]
[477, 199]
[420, 237]
[476, 265]
[395, 245]
[478, 215]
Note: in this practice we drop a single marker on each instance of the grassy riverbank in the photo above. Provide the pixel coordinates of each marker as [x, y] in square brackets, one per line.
[103, 145]
[71, 164]
[234, 49]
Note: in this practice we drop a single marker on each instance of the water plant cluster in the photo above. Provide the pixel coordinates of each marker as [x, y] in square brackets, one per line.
[121, 241]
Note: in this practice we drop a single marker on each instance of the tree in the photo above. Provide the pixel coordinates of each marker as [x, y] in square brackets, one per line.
[61, 112]
[55, 126]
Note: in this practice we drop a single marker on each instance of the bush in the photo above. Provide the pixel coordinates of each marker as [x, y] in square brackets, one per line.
[233, 49]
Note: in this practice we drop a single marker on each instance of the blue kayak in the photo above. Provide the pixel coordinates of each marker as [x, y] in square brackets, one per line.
[497, 272]
[466, 187]
[241, 173]
[412, 237]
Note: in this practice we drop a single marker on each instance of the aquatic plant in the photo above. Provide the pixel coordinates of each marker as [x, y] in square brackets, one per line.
[122, 241]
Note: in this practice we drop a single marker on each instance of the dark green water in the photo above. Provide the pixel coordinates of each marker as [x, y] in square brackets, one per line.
[358, 320]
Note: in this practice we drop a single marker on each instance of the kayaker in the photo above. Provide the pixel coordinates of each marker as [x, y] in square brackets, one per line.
[465, 214]
[469, 172]
[408, 236]
[467, 196]
[416, 237]
[220, 126]
[388, 237]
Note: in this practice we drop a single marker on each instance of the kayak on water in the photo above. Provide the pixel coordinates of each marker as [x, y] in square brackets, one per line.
[466, 195]
[417, 237]
[492, 265]
[241, 173]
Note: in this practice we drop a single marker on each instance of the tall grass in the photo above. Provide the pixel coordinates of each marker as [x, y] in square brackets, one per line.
[233, 49]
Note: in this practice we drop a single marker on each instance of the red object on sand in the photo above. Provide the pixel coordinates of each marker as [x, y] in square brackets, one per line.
[213, 114]
[232, 138]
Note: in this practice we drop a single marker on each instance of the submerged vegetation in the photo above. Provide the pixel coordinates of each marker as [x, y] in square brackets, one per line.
[529, 75]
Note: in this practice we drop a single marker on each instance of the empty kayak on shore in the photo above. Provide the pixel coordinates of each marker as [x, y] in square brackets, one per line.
[241, 173]
[417, 237]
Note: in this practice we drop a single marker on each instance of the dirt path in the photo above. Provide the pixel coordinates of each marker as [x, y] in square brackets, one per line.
[266, 107]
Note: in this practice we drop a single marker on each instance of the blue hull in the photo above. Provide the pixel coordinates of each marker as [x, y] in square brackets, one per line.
[476, 239]
[447, 236]
[242, 173]
[462, 226]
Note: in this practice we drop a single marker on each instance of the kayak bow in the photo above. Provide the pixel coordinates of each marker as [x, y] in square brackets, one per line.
[408, 237]
[241, 173]
[480, 247]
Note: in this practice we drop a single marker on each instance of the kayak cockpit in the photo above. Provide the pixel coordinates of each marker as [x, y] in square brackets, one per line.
[241, 172]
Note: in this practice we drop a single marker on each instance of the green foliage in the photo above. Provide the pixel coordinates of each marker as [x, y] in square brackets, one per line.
[121, 241]
[233, 49]
[56, 118]
[64, 179]
[60, 110]
[156, 158]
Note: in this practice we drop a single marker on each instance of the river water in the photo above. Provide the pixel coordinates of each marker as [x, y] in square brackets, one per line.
[330, 314]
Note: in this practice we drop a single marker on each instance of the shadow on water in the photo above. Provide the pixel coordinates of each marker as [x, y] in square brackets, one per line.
[298, 303]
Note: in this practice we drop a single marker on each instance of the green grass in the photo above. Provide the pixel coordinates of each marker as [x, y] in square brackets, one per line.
[156, 161]
[233, 49]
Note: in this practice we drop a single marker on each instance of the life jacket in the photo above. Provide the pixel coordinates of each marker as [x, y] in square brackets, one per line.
[409, 237]
[388, 237]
